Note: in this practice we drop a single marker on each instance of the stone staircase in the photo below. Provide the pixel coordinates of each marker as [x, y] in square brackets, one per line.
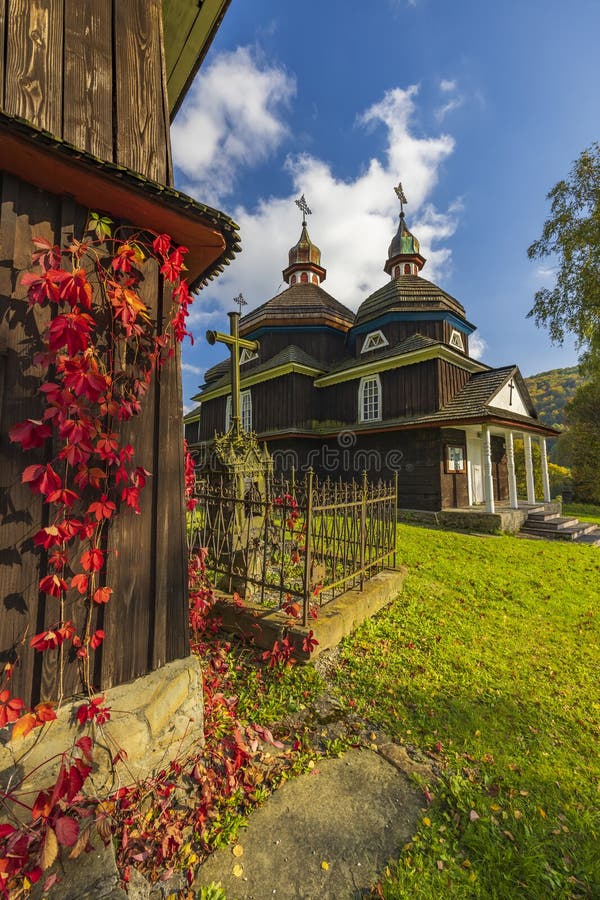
[553, 527]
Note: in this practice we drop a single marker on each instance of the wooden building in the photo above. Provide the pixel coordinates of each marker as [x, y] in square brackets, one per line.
[390, 388]
[87, 92]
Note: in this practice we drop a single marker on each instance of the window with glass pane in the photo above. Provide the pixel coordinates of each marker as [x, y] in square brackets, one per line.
[370, 399]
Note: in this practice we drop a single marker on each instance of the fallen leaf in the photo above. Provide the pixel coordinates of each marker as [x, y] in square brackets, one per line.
[473, 816]
[426, 821]
[324, 865]
[440, 864]
[238, 870]
[49, 849]
[238, 850]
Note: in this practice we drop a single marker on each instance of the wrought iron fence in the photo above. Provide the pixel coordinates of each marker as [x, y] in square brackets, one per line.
[300, 545]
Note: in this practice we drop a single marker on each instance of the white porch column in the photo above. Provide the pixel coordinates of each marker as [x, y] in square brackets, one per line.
[512, 475]
[545, 476]
[529, 468]
[488, 479]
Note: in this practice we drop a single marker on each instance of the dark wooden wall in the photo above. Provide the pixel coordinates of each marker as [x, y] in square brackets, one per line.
[146, 619]
[451, 380]
[90, 72]
[454, 485]
[499, 467]
[326, 346]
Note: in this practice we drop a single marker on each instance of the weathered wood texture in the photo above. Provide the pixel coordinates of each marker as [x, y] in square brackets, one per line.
[145, 622]
[91, 73]
[454, 485]
[451, 380]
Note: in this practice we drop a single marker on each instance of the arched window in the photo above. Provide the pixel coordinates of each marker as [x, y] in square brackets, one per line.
[245, 412]
[315, 280]
[304, 278]
[369, 399]
[407, 268]
[293, 280]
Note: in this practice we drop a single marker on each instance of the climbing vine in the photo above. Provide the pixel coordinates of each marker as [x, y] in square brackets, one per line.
[101, 349]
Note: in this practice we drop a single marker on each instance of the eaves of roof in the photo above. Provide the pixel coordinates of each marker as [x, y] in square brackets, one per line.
[58, 167]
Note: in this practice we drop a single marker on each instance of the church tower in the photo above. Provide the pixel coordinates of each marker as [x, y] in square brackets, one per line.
[304, 257]
[404, 257]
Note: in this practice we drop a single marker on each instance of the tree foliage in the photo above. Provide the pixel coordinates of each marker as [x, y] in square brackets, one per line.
[571, 235]
[583, 417]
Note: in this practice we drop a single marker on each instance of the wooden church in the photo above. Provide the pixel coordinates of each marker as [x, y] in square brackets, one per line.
[390, 388]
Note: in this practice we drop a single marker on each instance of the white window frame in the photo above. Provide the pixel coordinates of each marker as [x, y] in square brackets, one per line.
[374, 341]
[369, 403]
[247, 356]
[457, 340]
[245, 411]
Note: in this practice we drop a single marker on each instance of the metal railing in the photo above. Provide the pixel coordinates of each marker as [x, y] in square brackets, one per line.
[300, 545]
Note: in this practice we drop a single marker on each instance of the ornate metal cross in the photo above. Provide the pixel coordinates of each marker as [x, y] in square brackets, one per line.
[304, 207]
[399, 191]
[240, 301]
[235, 343]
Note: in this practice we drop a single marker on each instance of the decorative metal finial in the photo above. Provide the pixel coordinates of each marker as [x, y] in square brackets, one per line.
[401, 197]
[304, 207]
[240, 301]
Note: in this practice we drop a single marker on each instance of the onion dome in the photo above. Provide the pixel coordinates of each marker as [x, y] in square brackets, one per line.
[404, 257]
[304, 262]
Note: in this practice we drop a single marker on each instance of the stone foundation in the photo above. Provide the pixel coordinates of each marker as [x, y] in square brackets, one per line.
[153, 718]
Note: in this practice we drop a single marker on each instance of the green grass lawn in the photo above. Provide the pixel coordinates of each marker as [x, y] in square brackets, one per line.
[586, 512]
[489, 662]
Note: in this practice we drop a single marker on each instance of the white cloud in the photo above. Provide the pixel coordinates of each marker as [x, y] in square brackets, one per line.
[353, 221]
[194, 370]
[232, 118]
[477, 345]
[449, 87]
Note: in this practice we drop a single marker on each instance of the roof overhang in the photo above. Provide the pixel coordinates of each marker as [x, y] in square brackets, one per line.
[55, 166]
[247, 381]
[373, 367]
[189, 27]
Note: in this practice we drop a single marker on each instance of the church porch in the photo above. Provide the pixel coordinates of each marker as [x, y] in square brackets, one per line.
[476, 519]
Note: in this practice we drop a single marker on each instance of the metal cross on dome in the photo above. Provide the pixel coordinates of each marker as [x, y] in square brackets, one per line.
[399, 191]
[304, 207]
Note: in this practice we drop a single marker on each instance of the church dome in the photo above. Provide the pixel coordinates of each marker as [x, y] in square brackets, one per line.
[304, 251]
[407, 294]
[404, 242]
[300, 305]
[304, 258]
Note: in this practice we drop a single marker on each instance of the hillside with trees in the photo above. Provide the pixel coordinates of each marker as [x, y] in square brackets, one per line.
[551, 391]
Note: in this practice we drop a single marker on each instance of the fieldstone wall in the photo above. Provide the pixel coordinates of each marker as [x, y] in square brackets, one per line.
[154, 718]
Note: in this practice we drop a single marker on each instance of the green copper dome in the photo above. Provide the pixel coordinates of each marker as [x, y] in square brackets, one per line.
[403, 242]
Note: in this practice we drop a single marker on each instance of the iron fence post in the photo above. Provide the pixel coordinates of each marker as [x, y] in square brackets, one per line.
[363, 529]
[395, 530]
[308, 544]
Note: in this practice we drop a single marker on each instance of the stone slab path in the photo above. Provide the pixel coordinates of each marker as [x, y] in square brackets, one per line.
[326, 835]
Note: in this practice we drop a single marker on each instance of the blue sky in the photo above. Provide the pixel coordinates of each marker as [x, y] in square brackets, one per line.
[477, 107]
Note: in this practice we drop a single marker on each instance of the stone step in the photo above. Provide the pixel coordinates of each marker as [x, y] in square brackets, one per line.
[591, 538]
[568, 533]
[543, 516]
[557, 523]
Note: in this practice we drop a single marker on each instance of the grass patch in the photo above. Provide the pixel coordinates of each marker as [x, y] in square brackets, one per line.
[586, 512]
[489, 662]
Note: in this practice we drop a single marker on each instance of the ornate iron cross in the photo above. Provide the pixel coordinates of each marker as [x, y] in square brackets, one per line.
[399, 191]
[235, 343]
[240, 301]
[304, 207]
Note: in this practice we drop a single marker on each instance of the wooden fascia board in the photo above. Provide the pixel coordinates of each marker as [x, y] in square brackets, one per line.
[250, 380]
[395, 362]
[182, 71]
[102, 191]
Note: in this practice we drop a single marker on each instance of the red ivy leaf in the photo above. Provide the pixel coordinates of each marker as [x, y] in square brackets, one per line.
[102, 595]
[92, 560]
[67, 830]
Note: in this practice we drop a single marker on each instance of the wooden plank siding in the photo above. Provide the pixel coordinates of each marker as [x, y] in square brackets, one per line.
[454, 486]
[88, 122]
[451, 380]
[91, 73]
[145, 621]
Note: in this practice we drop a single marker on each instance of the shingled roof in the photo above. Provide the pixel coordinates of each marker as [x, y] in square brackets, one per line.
[290, 354]
[408, 345]
[407, 293]
[300, 304]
